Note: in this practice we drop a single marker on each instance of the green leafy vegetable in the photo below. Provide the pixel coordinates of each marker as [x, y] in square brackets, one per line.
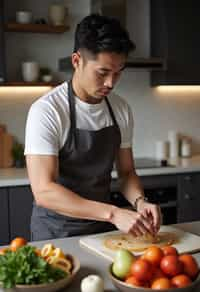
[25, 267]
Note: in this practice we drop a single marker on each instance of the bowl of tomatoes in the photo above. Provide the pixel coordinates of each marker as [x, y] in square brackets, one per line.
[156, 269]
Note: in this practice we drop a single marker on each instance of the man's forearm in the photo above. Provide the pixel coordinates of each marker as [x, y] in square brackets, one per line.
[132, 187]
[63, 201]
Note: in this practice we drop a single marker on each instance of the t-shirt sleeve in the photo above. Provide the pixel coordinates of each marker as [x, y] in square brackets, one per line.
[42, 130]
[127, 128]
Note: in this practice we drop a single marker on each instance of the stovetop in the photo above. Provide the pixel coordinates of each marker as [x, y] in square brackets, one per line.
[150, 163]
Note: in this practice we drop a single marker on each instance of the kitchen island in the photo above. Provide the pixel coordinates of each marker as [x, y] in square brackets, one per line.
[93, 264]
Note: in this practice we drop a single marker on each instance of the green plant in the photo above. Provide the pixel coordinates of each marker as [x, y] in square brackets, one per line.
[18, 151]
[25, 267]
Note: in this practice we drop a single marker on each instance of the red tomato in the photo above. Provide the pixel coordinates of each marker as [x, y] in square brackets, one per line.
[17, 243]
[161, 283]
[171, 265]
[153, 254]
[190, 266]
[142, 270]
[135, 282]
[157, 273]
[169, 250]
[181, 281]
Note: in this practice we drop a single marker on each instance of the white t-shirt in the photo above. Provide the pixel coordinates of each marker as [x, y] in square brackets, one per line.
[48, 121]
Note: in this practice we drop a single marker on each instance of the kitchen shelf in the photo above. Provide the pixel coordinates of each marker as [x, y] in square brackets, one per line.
[22, 83]
[35, 28]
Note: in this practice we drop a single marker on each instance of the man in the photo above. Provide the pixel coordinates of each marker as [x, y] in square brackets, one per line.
[73, 136]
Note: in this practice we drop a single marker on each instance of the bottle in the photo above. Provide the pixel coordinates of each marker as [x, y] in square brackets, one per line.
[162, 150]
[173, 144]
[186, 147]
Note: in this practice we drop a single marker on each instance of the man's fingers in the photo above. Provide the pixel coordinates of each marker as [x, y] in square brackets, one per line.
[156, 212]
[144, 224]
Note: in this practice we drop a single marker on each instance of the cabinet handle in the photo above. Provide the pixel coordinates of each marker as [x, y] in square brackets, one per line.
[187, 178]
[187, 197]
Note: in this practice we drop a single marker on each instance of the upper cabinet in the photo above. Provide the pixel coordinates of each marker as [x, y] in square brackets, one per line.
[2, 45]
[175, 27]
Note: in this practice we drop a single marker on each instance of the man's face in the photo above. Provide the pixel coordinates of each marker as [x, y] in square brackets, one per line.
[97, 76]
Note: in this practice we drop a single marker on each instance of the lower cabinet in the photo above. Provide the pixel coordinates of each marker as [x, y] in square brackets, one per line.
[188, 197]
[2, 44]
[4, 217]
[15, 213]
[20, 206]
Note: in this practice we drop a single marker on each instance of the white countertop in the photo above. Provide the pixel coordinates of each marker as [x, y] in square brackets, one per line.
[180, 165]
[18, 176]
[13, 177]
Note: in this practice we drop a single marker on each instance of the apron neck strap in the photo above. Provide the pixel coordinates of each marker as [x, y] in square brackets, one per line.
[72, 106]
[111, 112]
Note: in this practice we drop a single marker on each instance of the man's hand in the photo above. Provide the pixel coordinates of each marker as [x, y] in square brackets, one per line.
[151, 213]
[131, 222]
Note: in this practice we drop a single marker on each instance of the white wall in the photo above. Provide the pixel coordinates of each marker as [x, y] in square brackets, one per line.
[154, 112]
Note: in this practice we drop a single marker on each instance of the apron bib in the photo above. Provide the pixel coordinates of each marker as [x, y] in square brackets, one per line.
[85, 165]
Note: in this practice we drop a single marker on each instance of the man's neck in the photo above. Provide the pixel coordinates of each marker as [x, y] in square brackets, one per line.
[81, 93]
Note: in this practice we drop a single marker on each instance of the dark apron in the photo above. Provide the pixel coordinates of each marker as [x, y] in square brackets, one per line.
[85, 165]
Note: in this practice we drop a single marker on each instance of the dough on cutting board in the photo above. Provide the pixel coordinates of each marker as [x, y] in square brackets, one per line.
[140, 243]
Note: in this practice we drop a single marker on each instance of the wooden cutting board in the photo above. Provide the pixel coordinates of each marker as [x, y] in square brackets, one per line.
[187, 242]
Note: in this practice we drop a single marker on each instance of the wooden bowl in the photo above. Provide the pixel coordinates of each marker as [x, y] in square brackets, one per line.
[124, 287]
[49, 287]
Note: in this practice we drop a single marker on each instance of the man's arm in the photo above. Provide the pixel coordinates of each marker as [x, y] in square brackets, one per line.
[132, 188]
[43, 172]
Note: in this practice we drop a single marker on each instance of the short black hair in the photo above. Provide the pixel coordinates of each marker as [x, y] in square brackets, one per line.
[97, 33]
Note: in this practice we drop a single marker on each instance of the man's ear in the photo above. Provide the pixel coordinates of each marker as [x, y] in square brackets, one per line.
[76, 59]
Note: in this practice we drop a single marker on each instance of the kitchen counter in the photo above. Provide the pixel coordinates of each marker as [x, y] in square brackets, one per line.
[93, 264]
[13, 177]
[179, 165]
[18, 176]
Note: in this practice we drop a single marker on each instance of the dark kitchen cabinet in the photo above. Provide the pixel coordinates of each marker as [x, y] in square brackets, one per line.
[175, 36]
[20, 206]
[2, 44]
[4, 217]
[188, 197]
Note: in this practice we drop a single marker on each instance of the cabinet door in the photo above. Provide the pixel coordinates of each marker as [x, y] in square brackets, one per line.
[189, 197]
[175, 36]
[2, 45]
[20, 203]
[4, 226]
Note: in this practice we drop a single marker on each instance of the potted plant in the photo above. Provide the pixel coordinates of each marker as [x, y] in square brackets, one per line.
[45, 74]
[18, 154]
